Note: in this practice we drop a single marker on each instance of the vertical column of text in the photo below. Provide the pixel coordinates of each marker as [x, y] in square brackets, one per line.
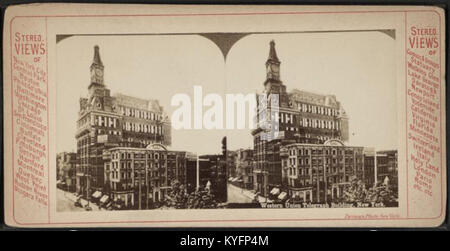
[424, 107]
[30, 118]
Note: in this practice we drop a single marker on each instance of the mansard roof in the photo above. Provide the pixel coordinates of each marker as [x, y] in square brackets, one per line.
[138, 103]
[313, 98]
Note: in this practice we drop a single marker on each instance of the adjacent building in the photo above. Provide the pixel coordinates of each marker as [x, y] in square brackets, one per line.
[244, 168]
[386, 171]
[106, 121]
[387, 168]
[139, 177]
[66, 163]
[369, 167]
[220, 169]
[198, 172]
[319, 172]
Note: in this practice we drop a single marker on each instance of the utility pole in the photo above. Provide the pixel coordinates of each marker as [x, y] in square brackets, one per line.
[146, 180]
[317, 180]
[198, 174]
[140, 195]
[217, 169]
[176, 167]
[225, 157]
[264, 172]
[88, 181]
[140, 184]
[325, 177]
[167, 168]
[375, 166]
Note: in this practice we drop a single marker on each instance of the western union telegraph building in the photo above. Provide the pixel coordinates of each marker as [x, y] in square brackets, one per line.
[308, 157]
[117, 138]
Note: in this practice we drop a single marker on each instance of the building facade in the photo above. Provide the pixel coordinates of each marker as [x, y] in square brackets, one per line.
[66, 163]
[198, 172]
[106, 121]
[387, 168]
[318, 173]
[244, 167]
[295, 117]
[369, 167]
[139, 177]
[220, 170]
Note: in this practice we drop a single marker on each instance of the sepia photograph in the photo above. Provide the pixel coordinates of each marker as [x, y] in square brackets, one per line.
[304, 119]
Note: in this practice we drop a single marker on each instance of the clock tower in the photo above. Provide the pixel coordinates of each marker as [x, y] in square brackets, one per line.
[273, 64]
[97, 68]
[99, 96]
[273, 84]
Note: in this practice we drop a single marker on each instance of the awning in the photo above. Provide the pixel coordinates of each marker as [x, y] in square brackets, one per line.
[104, 199]
[230, 179]
[58, 182]
[282, 196]
[235, 179]
[97, 194]
[275, 191]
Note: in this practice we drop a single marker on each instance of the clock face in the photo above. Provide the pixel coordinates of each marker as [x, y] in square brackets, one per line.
[275, 68]
[99, 72]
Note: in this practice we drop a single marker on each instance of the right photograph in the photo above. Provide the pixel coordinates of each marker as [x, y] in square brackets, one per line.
[330, 142]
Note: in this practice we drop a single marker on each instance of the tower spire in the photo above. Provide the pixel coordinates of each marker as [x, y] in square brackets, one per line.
[273, 63]
[97, 60]
[273, 53]
[97, 68]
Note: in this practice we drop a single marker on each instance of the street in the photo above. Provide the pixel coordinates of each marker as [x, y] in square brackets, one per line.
[65, 202]
[239, 195]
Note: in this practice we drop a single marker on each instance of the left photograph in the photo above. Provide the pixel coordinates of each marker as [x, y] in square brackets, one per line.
[115, 134]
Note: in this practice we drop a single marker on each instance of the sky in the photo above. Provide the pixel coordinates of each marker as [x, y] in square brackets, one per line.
[357, 67]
